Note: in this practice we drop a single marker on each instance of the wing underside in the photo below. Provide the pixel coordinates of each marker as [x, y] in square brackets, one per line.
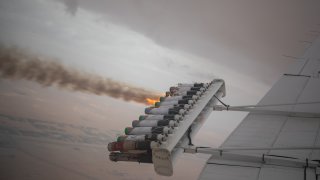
[298, 90]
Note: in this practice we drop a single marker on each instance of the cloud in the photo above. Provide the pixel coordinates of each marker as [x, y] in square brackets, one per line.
[11, 94]
[257, 34]
[71, 6]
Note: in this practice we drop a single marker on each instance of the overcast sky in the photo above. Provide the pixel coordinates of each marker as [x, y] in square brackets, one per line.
[157, 44]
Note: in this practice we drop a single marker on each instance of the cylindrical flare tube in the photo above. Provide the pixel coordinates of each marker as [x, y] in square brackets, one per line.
[147, 130]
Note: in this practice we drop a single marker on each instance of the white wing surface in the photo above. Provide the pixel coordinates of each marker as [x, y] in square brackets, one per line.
[282, 146]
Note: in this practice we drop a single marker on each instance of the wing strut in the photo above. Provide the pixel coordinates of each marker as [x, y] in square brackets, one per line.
[261, 110]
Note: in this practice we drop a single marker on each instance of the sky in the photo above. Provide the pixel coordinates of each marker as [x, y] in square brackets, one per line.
[154, 45]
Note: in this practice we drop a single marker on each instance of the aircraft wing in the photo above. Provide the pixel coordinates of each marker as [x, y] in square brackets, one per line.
[277, 146]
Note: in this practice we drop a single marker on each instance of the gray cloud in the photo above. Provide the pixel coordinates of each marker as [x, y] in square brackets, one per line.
[259, 32]
[71, 6]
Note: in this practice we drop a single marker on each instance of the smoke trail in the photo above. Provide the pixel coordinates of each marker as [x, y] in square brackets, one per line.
[18, 64]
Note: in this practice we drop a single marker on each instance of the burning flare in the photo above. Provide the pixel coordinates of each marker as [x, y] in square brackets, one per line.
[151, 101]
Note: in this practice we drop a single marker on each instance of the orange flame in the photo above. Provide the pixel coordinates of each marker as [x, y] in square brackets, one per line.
[151, 101]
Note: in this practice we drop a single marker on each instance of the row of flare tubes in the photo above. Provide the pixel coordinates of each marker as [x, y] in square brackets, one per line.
[158, 122]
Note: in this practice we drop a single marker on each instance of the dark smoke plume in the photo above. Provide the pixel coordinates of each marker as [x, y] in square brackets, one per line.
[18, 64]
